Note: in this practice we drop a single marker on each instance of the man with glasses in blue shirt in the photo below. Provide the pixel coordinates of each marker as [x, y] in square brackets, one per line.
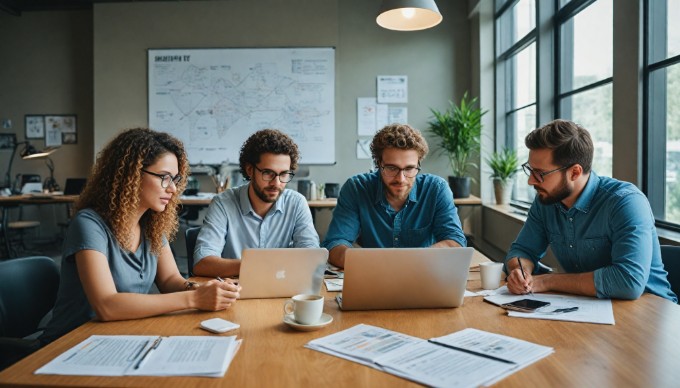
[600, 229]
[260, 214]
[394, 206]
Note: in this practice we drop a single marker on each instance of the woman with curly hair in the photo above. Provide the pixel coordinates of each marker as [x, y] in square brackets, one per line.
[117, 245]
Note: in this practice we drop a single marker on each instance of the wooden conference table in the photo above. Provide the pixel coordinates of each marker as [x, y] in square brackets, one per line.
[642, 349]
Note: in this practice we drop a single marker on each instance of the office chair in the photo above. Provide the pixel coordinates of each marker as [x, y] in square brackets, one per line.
[670, 255]
[28, 291]
[190, 238]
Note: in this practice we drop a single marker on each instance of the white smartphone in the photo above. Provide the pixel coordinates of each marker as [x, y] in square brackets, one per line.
[218, 325]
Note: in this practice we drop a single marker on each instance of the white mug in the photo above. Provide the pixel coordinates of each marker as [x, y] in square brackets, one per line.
[306, 308]
[491, 275]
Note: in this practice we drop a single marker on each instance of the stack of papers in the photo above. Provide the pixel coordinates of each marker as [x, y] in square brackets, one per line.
[591, 310]
[467, 358]
[119, 355]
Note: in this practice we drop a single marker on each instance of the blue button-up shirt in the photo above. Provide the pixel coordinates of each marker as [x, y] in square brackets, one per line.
[609, 230]
[364, 215]
[232, 225]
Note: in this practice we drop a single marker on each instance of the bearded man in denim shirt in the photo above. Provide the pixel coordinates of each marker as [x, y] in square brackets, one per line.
[394, 206]
[600, 229]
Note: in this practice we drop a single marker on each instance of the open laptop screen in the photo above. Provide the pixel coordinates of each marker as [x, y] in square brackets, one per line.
[402, 278]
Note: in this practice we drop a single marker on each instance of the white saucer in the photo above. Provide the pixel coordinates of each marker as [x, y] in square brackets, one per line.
[290, 321]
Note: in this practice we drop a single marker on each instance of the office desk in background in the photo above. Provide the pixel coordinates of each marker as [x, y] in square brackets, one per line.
[642, 349]
[16, 201]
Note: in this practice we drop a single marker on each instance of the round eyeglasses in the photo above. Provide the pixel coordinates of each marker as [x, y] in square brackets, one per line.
[166, 178]
[392, 171]
[269, 175]
[540, 176]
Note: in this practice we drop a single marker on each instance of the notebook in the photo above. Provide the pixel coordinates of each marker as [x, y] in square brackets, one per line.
[281, 272]
[404, 278]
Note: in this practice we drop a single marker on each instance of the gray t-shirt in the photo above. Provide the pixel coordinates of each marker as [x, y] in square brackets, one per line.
[132, 272]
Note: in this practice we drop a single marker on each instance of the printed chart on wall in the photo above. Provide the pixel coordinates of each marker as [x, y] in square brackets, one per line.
[213, 99]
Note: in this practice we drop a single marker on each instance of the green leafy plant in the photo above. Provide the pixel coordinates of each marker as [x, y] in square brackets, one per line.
[504, 165]
[459, 130]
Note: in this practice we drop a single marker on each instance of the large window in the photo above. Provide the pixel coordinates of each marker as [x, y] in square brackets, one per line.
[516, 67]
[585, 73]
[663, 109]
[572, 55]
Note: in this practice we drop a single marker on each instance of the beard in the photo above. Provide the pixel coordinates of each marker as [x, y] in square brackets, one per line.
[562, 192]
[266, 194]
[398, 191]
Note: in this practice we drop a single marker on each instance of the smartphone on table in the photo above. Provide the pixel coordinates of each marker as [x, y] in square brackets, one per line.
[525, 305]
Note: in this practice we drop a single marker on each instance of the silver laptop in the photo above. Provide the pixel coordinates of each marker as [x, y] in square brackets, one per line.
[281, 272]
[404, 278]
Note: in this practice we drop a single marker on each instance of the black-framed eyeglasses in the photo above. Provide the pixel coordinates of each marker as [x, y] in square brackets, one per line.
[540, 176]
[392, 171]
[269, 175]
[166, 178]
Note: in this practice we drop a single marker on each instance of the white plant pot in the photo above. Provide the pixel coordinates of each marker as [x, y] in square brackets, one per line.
[503, 190]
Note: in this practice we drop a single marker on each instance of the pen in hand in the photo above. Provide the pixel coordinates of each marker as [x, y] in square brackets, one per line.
[523, 275]
[154, 346]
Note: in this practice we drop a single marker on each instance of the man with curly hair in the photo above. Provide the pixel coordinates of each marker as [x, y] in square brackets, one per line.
[260, 214]
[394, 206]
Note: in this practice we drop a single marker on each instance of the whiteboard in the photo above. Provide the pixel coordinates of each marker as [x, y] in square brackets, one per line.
[214, 99]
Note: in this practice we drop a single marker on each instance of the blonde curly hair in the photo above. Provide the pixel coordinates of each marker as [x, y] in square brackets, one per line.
[401, 136]
[113, 188]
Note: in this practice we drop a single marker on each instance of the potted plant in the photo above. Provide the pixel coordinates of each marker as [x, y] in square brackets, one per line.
[459, 130]
[504, 165]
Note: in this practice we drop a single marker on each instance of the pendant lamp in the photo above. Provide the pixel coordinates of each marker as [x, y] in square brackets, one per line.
[408, 15]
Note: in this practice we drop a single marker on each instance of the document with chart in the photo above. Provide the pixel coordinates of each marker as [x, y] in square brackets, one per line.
[122, 355]
[467, 358]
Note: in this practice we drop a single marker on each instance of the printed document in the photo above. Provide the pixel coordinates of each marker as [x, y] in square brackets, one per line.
[591, 310]
[468, 358]
[118, 355]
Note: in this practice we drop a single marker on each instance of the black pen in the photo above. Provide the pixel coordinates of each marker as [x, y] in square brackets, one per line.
[523, 275]
[154, 346]
[471, 352]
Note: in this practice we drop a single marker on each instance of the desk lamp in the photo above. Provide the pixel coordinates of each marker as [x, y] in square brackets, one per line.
[29, 152]
[408, 15]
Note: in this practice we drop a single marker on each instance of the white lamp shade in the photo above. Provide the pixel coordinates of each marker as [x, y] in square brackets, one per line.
[408, 15]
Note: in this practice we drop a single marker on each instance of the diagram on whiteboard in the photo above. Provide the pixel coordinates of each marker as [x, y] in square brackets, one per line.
[213, 99]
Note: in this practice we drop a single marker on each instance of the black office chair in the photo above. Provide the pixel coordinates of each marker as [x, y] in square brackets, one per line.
[28, 290]
[190, 236]
[670, 255]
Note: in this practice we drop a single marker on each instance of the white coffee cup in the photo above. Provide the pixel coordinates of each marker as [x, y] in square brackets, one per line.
[306, 308]
[491, 275]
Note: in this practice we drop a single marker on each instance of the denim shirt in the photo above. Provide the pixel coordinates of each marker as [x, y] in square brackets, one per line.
[609, 230]
[364, 215]
[232, 225]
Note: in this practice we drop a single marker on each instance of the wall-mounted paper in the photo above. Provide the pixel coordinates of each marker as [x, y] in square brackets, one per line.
[398, 114]
[381, 116]
[392, 88]
[364, 148]
[366, 107]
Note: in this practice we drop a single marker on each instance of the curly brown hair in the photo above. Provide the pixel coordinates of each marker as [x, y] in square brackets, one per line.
[401, 136]
[267, 141]
[112, 190]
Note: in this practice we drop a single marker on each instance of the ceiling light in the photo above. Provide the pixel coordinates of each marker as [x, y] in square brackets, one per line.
[408, 15]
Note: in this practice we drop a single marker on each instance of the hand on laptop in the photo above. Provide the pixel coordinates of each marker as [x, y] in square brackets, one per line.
[216, 295]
